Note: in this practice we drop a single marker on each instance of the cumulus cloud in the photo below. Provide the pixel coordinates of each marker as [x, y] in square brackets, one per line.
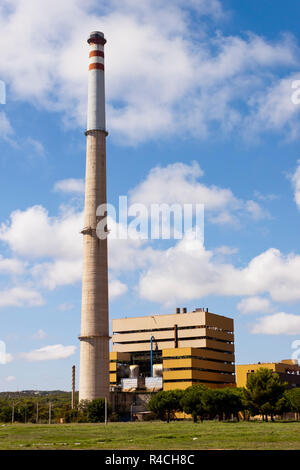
[70, 186]
[278, 324]
[34, 234]
[53, 245]
[116, 289]
[10, 378]
[254, 305]
[273, 109]
[179, 183]
[226, 250]
[256, 211]
[36, 146]
[215, 72]
[266, 197]
[295, 178]
[8, 358]
[185, 271]
[60, 272]
[49, 353]
[20, 297]
[39, 334]
[66, 306]
[5, 357]
[6, 129]
[11, 266]
[188, 271]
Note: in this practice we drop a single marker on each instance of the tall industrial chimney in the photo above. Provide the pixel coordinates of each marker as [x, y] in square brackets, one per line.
[94, 336]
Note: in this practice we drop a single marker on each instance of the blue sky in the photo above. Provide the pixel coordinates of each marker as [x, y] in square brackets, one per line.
[199, 109]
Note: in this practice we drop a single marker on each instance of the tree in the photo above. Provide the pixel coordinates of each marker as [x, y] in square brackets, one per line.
[193, 401]
[165, 403]
[96, 410]
[263, 392]
[201, 401]
[226, 402]
[5, 414]
[293, 397]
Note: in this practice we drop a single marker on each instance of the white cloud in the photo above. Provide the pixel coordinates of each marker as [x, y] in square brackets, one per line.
[226, 250]
[273, 109]
[188, 271]
[179, 183]
[11, 266]
[265, 197]
[20, 297]
[49, 353]
[39, 334]
[59, 272]
[8, 358]
[129, 254]
[36, 146]
[184, 271]
[66, 306]
[116, 289]
[256, 211]
[54, 244]
[278, 324]
[151, 39]
[10, 378]
[295, 178]
[6, 129]
[34, 234]
[70, 186]
[254, 305]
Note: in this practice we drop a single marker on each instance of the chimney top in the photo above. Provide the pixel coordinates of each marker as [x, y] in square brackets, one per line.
[96, 37]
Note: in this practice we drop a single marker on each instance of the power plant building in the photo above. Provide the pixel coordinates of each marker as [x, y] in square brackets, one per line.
[288, 371]
[172, 351]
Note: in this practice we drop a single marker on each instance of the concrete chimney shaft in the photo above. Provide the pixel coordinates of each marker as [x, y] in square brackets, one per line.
[94, 336]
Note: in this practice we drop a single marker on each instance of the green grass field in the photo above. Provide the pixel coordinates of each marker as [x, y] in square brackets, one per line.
[152, 435]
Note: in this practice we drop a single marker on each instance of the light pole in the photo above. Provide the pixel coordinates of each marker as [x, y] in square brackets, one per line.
[151, 343]
[13, 413]
[105, 410]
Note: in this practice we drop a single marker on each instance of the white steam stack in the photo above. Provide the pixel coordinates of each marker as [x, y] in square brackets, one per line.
[94, 336]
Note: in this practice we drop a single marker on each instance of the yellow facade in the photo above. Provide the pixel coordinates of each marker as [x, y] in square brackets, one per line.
[288, 366]
[193, 348]
[114, 359]
[183, 367]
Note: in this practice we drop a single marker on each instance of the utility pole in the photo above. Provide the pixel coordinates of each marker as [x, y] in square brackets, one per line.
[50, 412]
[13, 413]
[73, 388]
[151, 353]
[105, 410]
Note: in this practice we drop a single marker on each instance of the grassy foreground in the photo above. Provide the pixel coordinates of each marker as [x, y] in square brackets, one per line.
[152, 435]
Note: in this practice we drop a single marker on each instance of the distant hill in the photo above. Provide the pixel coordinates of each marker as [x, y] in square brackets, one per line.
[34, 393]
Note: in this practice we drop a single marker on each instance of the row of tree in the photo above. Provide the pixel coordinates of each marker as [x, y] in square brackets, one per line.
[48, 408]
[264, 395]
